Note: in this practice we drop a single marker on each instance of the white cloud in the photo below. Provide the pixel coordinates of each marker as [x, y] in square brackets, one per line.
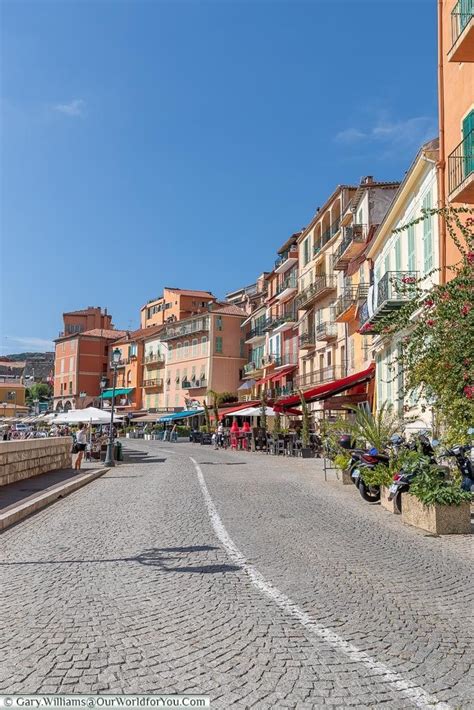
[75, 108]
[14, 343]
[389, 134]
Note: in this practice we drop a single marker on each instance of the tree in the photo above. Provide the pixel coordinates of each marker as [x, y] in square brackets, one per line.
[40, 391]
[215, 405]
[436, 328]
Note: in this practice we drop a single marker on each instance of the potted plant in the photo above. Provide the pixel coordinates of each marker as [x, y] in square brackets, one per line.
[435, 502]
[306, 451]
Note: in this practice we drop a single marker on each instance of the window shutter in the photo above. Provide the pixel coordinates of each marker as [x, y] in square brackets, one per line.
[411, 248]
[427, 236]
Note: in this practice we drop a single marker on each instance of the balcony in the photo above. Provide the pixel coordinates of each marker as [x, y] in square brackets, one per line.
[257, 332]
[287, 288]
[323, 285]
[392, 292]
[198, 326]
[319, 377]
[286, 321]
[326, 236]
[346, 304]
[326, 331]
[154, 359]
[353, 240]
[271, 359]
[193, 384]
[154, 383]
[252, 369]
[461, 171]
[307, 340]
[286, 260]
[462, 32]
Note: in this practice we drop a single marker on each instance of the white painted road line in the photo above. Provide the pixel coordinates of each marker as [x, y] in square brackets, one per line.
[416, 695]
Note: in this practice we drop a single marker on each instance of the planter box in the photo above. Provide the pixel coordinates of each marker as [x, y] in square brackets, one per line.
[307, 453]
[438, 519]
[385, 502]
[347, 478]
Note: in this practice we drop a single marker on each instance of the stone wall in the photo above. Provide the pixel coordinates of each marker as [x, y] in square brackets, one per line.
[27, 458]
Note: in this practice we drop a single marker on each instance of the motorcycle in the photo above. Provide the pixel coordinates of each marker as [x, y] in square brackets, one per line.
[464, 463]
[403, 479]
[360, 460]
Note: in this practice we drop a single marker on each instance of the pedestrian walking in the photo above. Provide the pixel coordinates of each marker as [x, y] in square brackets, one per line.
[80, 445]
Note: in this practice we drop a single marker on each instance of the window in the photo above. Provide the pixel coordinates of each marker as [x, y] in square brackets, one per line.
[411, 248]
[468, 131]
[170, 353]
[70, 388]
[62, 366]
[427, 236]
[195, 346]
[305, 251]
[329, 358]
[186, 348]
[219, 323]
[218, 344]
[203, 344]
[242, 347]
[71, 364]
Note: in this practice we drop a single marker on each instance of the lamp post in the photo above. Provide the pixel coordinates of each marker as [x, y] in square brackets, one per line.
[109, 459]
[103, 385]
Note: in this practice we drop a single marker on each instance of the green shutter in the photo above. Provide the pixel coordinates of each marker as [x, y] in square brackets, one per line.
[427, 236]
[468, 149]
[411, 248]
[398, 255]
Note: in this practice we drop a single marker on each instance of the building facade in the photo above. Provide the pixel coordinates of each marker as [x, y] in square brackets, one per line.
[456, 114]
[174, 305]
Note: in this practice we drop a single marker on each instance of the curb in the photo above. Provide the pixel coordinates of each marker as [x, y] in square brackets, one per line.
[23, 510]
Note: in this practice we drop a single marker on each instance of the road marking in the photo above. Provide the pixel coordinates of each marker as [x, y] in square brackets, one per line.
[416, 695]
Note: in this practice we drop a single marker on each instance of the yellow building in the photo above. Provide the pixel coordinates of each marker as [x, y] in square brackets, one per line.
[12, 397]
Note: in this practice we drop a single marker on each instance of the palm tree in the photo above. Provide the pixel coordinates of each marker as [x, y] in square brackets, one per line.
[375, 429]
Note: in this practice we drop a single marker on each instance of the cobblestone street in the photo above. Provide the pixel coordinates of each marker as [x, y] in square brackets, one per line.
[307, 597]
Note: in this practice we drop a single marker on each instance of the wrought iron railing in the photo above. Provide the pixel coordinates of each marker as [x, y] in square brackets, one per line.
[395, 286]
[290, 282]
[308, 338]
[258, 330]
[250, 367]
[350, 296]
[461, 162]
[461, 15]
[326, 330]
[154, 357]
[199, 325]
[193, 384]
[293, 253]
[287, 317]
[326, 236]
[317, 377]
[355, 234]
[320, 284]
[154, 382]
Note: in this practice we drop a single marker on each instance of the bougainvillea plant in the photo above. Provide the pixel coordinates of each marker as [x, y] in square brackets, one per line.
[436, 328]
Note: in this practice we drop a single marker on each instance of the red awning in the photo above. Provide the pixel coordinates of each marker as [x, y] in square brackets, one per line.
[264, 379]
[329, 389]
[283, 372]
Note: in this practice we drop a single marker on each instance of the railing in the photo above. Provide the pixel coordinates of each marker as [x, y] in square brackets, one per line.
[356, 234]
[326, 236]
[284, 391]
[461, 162]
[290, 253]
[289, 359]
[197, 326]
[271, 360]
[317, 377]
[290, 282]
[308, 338]
[461, 15]
[326, 330]
[349, 297]
[193, 384]
[258, 330]
[288, 317]
[393, 287]
[320, 284]
[154, 357]
[250, 367]
[154, 382]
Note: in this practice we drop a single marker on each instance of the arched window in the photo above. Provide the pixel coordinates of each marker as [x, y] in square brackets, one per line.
[204, 345]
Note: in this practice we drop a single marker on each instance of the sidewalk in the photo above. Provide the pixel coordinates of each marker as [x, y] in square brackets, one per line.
[22, 498]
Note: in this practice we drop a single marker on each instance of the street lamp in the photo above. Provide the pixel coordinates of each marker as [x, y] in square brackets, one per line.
[109, 459]
[103, 385]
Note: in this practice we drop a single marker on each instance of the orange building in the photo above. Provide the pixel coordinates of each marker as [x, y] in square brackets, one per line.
[456, 113]
[81, 357]
[175, 304]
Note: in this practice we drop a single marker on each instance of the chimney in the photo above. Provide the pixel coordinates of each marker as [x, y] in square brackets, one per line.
[368, 180]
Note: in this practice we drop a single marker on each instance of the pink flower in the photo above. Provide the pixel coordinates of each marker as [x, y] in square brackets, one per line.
[469, 391]
[430, 322]
[469, 221]
[465, 309]
[470, 257]
[408, 280]
[429, 302]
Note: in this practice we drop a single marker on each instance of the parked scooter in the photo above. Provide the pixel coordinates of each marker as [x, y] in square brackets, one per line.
[403, 479]
[464, 464]
[361, 460]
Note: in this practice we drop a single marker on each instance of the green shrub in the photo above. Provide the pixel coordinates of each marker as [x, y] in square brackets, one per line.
[431, 487]
[183, 430]
[342, 461]
[380, 475]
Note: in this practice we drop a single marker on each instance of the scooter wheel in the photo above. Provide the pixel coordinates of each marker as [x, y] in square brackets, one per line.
[368, 495]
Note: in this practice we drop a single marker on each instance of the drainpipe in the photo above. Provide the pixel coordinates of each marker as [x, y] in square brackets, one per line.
[441, 166]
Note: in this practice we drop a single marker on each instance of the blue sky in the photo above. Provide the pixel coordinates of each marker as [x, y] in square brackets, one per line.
[180, 143]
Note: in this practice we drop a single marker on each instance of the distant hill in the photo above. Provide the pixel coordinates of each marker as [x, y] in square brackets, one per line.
[26, 356]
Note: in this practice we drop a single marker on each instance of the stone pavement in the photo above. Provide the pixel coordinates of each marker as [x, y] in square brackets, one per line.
[124, 587]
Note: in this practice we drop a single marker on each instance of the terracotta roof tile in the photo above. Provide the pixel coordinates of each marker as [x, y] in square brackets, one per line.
[228, 310]
[102, 333]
